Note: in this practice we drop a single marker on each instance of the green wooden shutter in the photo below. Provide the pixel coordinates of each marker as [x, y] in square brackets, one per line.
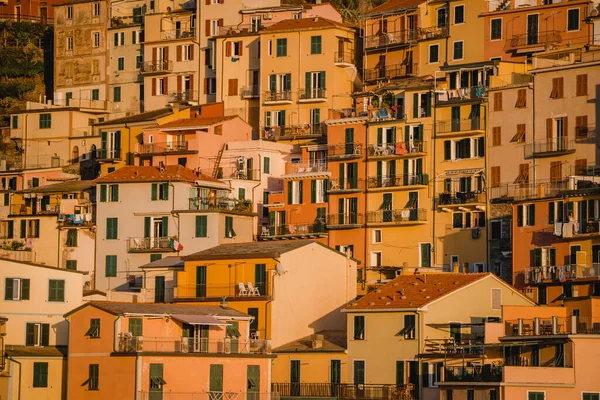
[552, 256]
[267, 167]
[288, 82]
[273, 83]
[307, 81]
[425, 255]
[147, 222]
[216, 378]
[117, 147]
[23, 229]
[392, 169]
[419, 135]
[45, 339]
[40, 374]
[313, 191]
[359, 372]
[379, 136]
[103, 141]
[25, 289]
[290, 187]
[102, 193]
[165, 226]
[416, 105]
[281, 121]
[201, 226]
[156, 378]
[399, 372]
[323, 80]
[379, 172]
[428, 104]
[406, 134]
[254, 379]
[30, 334]
[519, 215]
[537, 257]
[136, 326]
[8, 289]
[425, 374]
[36, 228]
[405, 172]
[260, 278]
[154, 191]
[165, 190]
[419, 166]
[300, 192]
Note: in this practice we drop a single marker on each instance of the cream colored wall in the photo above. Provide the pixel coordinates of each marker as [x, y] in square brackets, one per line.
[45, 246]
[57, 381]
[315, 367]
[84, 252]
[38, 308]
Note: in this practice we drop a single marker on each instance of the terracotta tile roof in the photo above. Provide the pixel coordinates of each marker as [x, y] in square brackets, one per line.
[304, 23]
[414, 291]
[174, 173]
[266, 249]
[195, 122]
[35, 352]
[393, 5]
[149, 116]
[62, 187]
[333, 341]
[117, 308]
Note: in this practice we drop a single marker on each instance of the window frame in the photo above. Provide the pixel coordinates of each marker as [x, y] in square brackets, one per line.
[463, 15]
[492, 39]
[431, 46]
[377, 236]
[316, 45]
[57, 291]
[45, 121]
[281, 47]
[36, 375]
[358, 334]
[462, 50]
[578, 20]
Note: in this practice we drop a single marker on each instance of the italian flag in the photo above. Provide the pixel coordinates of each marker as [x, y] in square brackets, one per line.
[175, 245]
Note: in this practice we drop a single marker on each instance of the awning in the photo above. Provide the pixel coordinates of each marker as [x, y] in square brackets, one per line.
[198, 319]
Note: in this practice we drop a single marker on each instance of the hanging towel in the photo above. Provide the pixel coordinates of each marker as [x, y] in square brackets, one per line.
[558, 229]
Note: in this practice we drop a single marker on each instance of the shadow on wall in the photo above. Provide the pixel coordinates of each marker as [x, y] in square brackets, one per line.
[334, 320]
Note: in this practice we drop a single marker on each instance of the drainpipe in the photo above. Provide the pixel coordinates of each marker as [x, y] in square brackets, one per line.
[138, 376]
[533, 126]
[67, 363]
[253, 188]
[20, 375]
[115, 339]
[433, 139]
[419, 314]
[176, 215]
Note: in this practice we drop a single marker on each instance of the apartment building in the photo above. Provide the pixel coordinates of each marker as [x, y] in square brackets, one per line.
[273, 282]
[162, 350]
[147, 212]
[53, 225]
[33, 299]
[34, 11]
[394, 333]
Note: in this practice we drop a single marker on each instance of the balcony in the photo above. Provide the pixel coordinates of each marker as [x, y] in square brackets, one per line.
[242, 29]
[175, 34]
[345, 186]
[391, 71]
[143, 395]
[108, 154]
[397, 181]
[75, 220]
[397, 150]
[532, 42]
[526, 191]
[313, 95]
[43, 161]
[150, 244]
[280, 97]
[549, 148]
[123, 21]
[35, 208]
[164, 148]
[396, 38]
[479, 373]
[151, 344]
[460, 95]
[250, 92]
[433, 32]
[551, 326]
[293, 132]
[183, 97]
[156, 67]
[314, 229]
[216, 292]
[464, 125]
[26, 18]
[577, 228]
[345, 220]
[309, 169]
[343, 59]
[344, 391]
[560, 274]
[386, 114]
[345, 151]
[240, 174]
[459, 198]
[220, 204]
[405, 216]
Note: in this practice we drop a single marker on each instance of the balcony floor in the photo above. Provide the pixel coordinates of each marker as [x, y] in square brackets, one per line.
[547, 154]
[219, 299]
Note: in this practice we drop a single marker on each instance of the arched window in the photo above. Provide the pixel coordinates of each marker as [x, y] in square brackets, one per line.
[75, 154]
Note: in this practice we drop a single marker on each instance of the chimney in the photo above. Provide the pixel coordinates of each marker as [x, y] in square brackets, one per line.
[424, 278]
[317, 341]
[455, 267]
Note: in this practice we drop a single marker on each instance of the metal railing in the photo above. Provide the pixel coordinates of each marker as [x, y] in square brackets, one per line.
[50, 208]
[298, 229]
[391, 38]
[345, 185]
[391, 71]
[168, 395]
[223, 204]
[193, 345]
[343, 57]
[480, 373]
[250, 92]
[396, 149]
[374, 182]
[541, 326]
[386, 114]
[525, 191]
[162, 147]
[527, 39]
[18, 255]
[433, 32]
[108, 154]
[398, 216]
[142, 244]
[306, 167]
[277, 96]
[122, 21]
[212, 291]
[344, 391]
[560, 273]
[312, 94]
[26, 18]
[171, 34]
[461, 198]
[291, 132]
[242, 29]
[460, 94]
[43, 161]
[187, 95]
[341, 219]
[345, 150]
[148, 67]
[241, 174]
[548, 147]
[460, 125]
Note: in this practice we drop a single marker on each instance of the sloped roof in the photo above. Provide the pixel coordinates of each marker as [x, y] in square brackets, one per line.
[266, 249]
[414, 291]
[117, 308]
[304, 23]
[393, 5]
[333, 341]
[62, 187]
[195, 122]
[173, 173]
[149, 116]
[34, 351]
[165, 262]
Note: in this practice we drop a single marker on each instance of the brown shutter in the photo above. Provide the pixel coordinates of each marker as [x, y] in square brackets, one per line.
[555, 171]
[495, 172]
[155, 54]
[205, 85]
[179, 83]
[166, 85]
[228, 49]
[233, 87]
[584, 85]
[241, 47]
[565, 124]
[580, 166]
[166, 52]
[560, 88]
[496, 136]
[208, 2]
[179, 53]
[581, 126]
[220, 23]
[153, 86]
[207, 27]
[191, 52]
[549, 128]
[221, 1]
[192, 89]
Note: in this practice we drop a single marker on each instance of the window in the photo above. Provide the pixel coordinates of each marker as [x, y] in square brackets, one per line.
[281, 47]
[37, 334]
[214, 27]
[581, 127]
[92, 381]
[210, 85]
[496, 136]
[267, 165]
[16, 289]
[94, 330]
[526, 215]
[425, 255]
[72, 238]
[15, 122]
[377, 235]
[40, 374]
[459, 14]
[186, 52]
[119, 39]
[117, 94]
[112, 228]
[359, 327]
[109, 193]
[110, 266]
[590, 396]
[457, 220]
[121, 66]
[581, 85]
[434, 53]
[96, 9]
[470, 394]
[56, 290]
[496, 29]
[71, 265]
[521, 98]
[557, 88]
[69, 44]
[536, 395]
[520, 135]
[136, 326]
[229, 231]
[523, 176]
[498, 101]
[156, 378]
[232, 88]
[376, 258]
[409, 327]
[544, 256]
[95, 94]
[201, 226]
[241, 193]
[317, 191]
[315, 45]
[139, 60]
[160, 191]
[70, 12]
[573, 19]
[45, 121]
[294, 189]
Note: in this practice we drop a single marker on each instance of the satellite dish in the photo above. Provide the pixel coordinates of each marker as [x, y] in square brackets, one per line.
[279, 269]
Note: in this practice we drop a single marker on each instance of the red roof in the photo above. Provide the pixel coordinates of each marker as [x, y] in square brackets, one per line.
[304, 23]
[173, 173]
[195, 122]
[393, 5]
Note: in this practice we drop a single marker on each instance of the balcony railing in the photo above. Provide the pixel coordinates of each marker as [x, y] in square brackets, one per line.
[292, 132]
[172, 34]
[526, 191]
[345, 185]
[108, 154]
[51, 208]
[374, 182]
[123, 21]
[312, 94]
[181, 97]
[345, 151]
[212, 291]
[306, 168]
[146, 244]
[451, 96]
[577, 228]
[163, 147]
[343, 57]
[391, 71]
[296, 229]
[242, 29]
[461, 198]
[277, 97]
[399, 216]
[26, 18]
[460, 125]
[220, 204]
[386, 114]
[561, 273]
[527, 39]
[241, 174]
[250, 92]
[345, 219]
[344, 391]
[139, 344]
[397, 149]
[542, 326]
[433, 32]
[153, 67]
[169, 395]
[480, 373]
[549, 148]
[391, 38]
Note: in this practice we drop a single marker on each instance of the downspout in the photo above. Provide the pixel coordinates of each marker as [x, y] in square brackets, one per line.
[366, 197]
[67, 366]
[434, 181]
[487, 194]
[300, 79]
[20, 375]
[533, 126]
[175, 215]
[447, 27]
[115, 339]
[420, 346]
[253, 188]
